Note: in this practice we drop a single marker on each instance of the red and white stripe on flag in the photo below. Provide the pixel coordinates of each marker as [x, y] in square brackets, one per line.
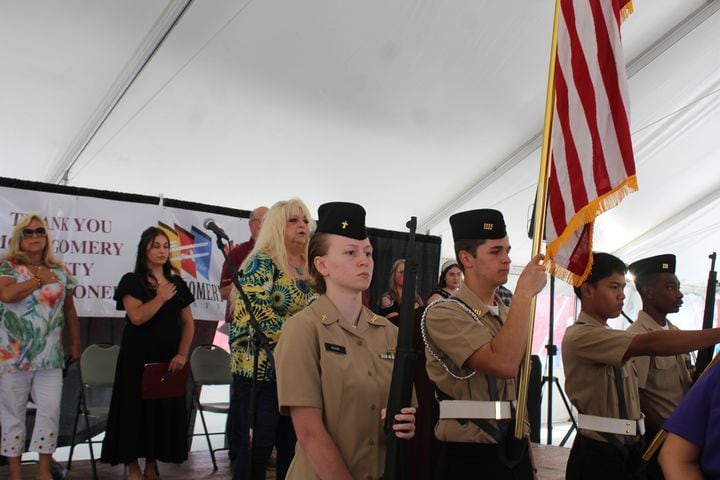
[592, 167]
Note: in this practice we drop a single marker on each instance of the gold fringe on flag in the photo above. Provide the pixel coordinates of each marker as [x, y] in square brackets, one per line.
[626, 10]
[585, 216]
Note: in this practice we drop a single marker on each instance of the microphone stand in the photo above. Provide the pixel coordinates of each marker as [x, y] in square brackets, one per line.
[258, 341]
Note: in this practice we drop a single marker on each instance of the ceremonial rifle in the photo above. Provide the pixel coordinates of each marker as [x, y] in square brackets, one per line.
[403, 374]
[706, 354]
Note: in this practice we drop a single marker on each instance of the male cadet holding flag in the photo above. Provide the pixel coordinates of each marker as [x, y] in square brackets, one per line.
[601, 384]
[475, 345]
[663, 381]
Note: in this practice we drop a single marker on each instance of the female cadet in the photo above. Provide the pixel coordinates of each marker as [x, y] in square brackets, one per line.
[335, 359]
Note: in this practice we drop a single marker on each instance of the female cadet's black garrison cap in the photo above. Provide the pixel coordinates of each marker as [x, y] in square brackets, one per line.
[342, 218]
[657, 264]
[479, 224]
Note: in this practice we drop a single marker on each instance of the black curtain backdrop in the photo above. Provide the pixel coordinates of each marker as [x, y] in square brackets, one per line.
[389, 246]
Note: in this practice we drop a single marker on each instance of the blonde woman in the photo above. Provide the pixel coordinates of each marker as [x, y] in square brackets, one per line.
[35, 303]
[275, 279]
[389, 304]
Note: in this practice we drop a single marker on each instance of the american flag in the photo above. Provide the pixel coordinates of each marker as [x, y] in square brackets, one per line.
[592, 166]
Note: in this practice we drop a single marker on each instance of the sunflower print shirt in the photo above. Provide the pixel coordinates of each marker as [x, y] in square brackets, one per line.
[31, 329]
[275, 297]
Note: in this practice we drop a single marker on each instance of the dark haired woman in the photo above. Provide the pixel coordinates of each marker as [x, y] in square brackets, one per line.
[159, 328]
[451, 278]
[335, 358]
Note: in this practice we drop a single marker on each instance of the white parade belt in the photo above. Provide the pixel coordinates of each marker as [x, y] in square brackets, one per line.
[469, 409]
[612, 425]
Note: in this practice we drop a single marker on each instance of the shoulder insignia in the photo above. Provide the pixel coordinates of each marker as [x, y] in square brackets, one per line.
[373, 319]
[323, 317]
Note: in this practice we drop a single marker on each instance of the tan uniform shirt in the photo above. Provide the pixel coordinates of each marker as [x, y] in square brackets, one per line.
[663, 381]
[590, 350]
[454, 336]
[323, 362]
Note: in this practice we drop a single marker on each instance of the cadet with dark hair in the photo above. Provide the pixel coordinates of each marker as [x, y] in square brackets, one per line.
[599, 382]
[475, 345]
[663, 381]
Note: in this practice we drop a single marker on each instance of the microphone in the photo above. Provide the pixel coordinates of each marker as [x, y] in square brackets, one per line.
[210, 224]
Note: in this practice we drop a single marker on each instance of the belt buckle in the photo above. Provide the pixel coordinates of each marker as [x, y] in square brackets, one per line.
[498, 411]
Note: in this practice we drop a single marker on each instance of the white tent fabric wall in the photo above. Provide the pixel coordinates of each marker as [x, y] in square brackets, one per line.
[416, 107]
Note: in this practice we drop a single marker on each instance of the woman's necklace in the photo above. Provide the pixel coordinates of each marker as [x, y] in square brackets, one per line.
[35, 267]
[300, 270]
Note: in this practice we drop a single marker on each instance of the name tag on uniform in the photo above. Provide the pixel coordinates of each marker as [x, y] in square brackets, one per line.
[335, 348]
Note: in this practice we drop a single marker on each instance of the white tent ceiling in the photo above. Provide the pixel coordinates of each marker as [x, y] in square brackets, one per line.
[410, 107]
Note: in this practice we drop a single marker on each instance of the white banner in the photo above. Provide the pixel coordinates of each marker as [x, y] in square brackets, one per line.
[98, 240]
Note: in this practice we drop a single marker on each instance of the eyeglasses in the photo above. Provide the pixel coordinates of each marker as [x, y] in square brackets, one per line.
[29, 232]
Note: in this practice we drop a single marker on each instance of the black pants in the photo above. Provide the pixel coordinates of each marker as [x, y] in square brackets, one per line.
[271, 429]
[474, 460]
[594, 460]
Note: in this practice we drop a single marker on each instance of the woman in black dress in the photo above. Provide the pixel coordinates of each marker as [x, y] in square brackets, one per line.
[159, 328]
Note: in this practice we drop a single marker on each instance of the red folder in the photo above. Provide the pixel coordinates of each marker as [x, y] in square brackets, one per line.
[157, 382]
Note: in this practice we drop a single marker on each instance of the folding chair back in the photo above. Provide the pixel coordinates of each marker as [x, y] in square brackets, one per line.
[97, 365]
[97, 370]
[210, 365]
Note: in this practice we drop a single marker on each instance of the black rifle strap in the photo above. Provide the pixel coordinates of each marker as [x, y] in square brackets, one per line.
[622, 406]
[620, 387]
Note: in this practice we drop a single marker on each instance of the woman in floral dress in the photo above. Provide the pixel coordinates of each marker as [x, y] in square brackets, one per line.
[35, 303]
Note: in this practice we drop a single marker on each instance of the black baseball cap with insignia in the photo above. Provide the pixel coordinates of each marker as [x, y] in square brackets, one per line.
[481, 224]
[657, 264]
[342, 218]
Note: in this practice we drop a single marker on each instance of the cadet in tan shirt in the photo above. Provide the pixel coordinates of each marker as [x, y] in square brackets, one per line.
[335, 358]
[663, 381]
[609, 442]
[474, 348]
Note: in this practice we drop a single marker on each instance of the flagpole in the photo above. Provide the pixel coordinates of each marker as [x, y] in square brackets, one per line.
[539, 223]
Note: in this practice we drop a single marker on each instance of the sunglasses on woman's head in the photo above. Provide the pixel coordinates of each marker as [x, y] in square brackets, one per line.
[29, 232]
